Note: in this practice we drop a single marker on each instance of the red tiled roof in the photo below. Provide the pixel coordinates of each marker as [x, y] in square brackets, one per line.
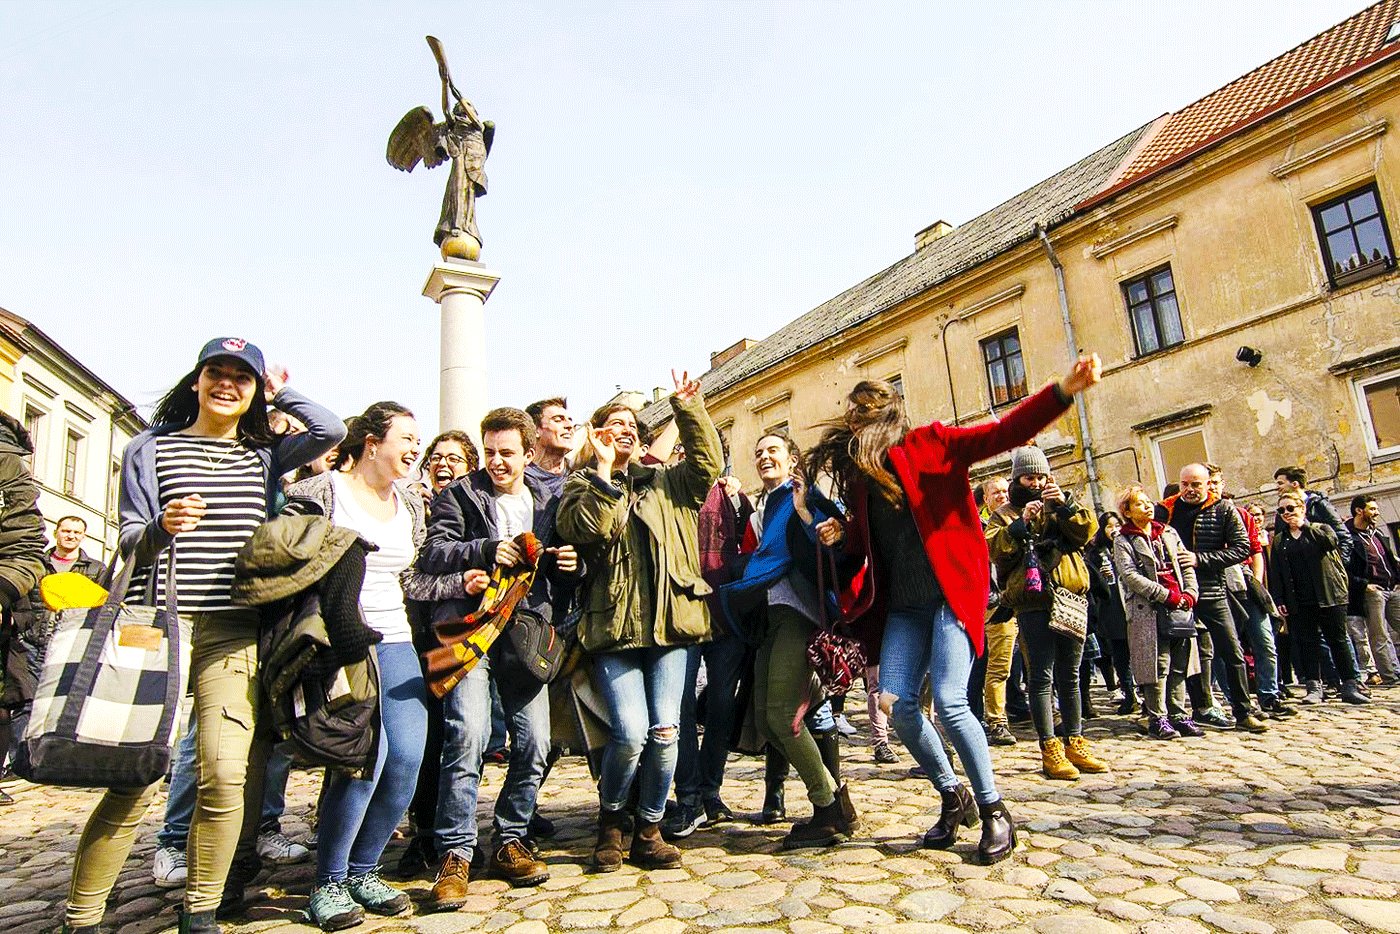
[1319, 61]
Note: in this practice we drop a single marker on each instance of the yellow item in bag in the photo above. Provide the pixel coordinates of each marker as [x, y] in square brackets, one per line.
[70, 590]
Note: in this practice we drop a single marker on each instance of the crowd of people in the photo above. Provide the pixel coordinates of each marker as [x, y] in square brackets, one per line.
[697, 617]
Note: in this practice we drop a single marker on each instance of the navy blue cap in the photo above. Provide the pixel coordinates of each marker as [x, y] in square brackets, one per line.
[235, 347]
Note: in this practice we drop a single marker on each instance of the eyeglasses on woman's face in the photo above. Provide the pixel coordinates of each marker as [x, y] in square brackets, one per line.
[453, 460]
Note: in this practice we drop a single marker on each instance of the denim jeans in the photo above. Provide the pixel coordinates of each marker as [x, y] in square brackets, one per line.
[359, 815]
[642, 688]
[1052, 667]
[179, 806]
[929, 641]
[467, 728]
[700, 765]
[1260, 631]
[1214, 613]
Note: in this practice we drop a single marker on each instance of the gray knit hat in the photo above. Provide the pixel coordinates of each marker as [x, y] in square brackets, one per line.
[1028, 460]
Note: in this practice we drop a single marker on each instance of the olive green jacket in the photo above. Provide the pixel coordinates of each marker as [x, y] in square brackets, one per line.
[638, 534]
[1008, 537]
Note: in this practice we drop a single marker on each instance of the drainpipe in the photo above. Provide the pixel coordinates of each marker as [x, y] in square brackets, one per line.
[1085, 440]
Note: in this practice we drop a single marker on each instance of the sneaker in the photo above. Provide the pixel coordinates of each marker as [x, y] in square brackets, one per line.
[885, 755]
[1161, 728]
[716, 812]
[683, 822]
[1188, 727]
[918, 771]
[1215, 717]
[331, 908]
[843, 726]
[999, 734]
[1250, 722]
[170, 870]
[274, 847]
[370, 891]
[496, 756]
[1276, 708]
[514, 863]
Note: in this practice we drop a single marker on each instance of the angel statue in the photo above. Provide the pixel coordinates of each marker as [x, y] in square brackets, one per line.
[462, 137]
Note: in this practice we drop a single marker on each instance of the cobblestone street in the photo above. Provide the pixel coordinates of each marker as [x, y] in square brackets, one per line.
[1296, 831]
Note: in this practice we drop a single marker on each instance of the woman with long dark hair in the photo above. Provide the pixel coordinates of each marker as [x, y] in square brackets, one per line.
[196, 485]
[922, 600]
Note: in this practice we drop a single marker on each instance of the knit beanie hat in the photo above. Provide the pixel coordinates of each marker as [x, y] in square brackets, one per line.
[1028, 460]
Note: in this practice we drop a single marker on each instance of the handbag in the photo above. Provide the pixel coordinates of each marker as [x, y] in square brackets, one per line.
[108, 701]
[538, 646]
[1175, 623]
[836, 659]
[1069, 612]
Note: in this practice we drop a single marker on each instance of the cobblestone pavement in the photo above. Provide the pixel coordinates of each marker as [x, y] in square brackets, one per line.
[1296, 831]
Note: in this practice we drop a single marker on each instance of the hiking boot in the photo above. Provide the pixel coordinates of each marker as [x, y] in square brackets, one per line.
[884, 755]
[826, 828]
[1250, 722]
[170, 869]
[369, 890]
[514, 863]
[1161, 728]
[1077, 751]
[998, 833]
[683, 821]
[1374, 680]
[649, 851]
[959, 810]
[1053, 762]
[607, 850]
[275, 848]
[716, 812]
[197, 922]
[1188, 727]
[999, 734]
[1351, 693]
[450, 887]
[331, 908]
[1215, 717]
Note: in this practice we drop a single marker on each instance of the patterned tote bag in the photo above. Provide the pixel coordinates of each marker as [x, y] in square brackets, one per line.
[109, 694]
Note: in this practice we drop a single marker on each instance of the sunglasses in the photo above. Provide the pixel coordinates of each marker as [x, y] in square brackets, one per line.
[1287, 510]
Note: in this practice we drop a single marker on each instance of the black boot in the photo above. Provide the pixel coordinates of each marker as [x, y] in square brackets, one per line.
[998, 833]
[829, 745]
[826, 828]
[959, 809]
[241, 874]
[198, 922]
[775, 771]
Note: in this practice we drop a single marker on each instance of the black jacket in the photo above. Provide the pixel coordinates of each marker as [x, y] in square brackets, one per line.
[1317, 509]
[1359, 567]
[1218, 540]
[22, 544]
[1327, 576]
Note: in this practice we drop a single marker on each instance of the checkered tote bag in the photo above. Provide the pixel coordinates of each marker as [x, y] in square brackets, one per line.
[109, 695]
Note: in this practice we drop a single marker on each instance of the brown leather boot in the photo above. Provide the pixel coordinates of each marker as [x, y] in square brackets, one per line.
[608, 851]
[849, 817]
[649, 851]
[450, 888]
[959, 810]
[827, 827]
[514, 863]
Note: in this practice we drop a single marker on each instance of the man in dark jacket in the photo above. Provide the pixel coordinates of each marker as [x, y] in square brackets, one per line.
[1318, 509]
[21, 566]
[1216, 538]
[471, 527]
[1373, 608]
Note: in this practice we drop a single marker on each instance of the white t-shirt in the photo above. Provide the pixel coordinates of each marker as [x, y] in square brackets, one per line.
[381, 598]
[515, 513]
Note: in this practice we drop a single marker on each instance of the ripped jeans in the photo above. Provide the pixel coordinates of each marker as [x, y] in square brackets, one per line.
[643, 690]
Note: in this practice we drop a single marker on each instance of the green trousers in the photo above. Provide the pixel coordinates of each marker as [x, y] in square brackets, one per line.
[782, 679]
[223, 679]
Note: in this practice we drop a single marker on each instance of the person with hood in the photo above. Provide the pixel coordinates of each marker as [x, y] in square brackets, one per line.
[472, 528]
[194, 488]
[922, 600]
[644, 603]
[1157, 581]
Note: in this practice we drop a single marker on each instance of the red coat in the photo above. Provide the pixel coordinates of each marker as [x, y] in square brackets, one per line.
[931, 464]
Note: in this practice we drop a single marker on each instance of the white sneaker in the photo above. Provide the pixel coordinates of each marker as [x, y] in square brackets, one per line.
[169, 871]
[843, 726]
[276, 849]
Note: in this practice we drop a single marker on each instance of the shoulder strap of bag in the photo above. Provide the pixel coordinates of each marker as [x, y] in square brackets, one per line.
[826, 574]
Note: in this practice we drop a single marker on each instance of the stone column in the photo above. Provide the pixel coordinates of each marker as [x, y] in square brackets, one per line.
[461, 289]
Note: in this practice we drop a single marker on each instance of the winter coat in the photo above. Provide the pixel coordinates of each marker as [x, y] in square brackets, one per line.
[1359, 566]
[1219, 540]
[1059, 535]
[931, 464]
[1328, 575]
[22, 542]
[35, 623]
[638, 532]
[1136, 564]
[1318, 510]
[1106, 602]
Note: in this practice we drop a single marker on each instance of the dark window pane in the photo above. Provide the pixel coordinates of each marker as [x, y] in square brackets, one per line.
[1012, 344]
[1146, 331]
[1169, 319]
[1016, 376]
[991, 350]
[1363, 206]
[1371, 235]
[1162, 282]
[1334, 217]
[1137, 291]
[1342, 246]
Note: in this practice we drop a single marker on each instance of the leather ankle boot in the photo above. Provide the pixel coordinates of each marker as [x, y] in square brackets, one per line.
[998, 833]
[1352, 693]
[649, 851]
[1053, 762]
[1079, 754]
[198, 922]
[608, 851]
[826, 828]
[850, 820]
[959, 810]
[775, 772]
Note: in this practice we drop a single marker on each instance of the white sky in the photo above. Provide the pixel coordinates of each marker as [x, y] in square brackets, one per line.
[666, 177]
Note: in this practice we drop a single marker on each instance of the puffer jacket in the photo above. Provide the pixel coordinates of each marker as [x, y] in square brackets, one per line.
[1219, 540]
[638, 532]
[1059, 534]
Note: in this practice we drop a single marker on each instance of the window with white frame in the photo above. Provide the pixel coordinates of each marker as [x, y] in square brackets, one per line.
[1174, 450]
[1378, 397]
[34, 424]
[72, 463]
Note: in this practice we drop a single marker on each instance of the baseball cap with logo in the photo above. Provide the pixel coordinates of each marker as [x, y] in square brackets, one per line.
[235, 347]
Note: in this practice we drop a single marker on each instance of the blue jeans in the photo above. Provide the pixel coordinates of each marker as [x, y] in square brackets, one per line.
[642, 688]
[466, 733]
[929, 641]
[179, 806]
[359, 815]
[700, 765]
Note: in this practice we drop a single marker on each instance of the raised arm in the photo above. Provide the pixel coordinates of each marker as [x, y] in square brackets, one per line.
[324, 430]
[704, 454]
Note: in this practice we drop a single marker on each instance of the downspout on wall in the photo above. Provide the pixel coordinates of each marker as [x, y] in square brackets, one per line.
[1085, 435]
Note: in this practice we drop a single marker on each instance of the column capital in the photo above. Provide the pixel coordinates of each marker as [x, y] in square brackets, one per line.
[448, 277]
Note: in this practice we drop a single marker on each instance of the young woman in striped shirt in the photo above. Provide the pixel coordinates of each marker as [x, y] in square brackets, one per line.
[195, 486]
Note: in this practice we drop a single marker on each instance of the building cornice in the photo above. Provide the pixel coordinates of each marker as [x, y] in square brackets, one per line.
[1142, 233]
[1327, 150]
[884, 350]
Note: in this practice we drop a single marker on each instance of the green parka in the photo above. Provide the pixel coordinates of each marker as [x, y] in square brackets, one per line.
[1008, 536]
[639, 536]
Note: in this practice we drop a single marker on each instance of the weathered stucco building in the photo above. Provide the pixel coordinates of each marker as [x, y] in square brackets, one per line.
[1232, 263]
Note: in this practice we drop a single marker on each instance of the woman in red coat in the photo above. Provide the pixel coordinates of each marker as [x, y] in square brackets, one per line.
[921, 602]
